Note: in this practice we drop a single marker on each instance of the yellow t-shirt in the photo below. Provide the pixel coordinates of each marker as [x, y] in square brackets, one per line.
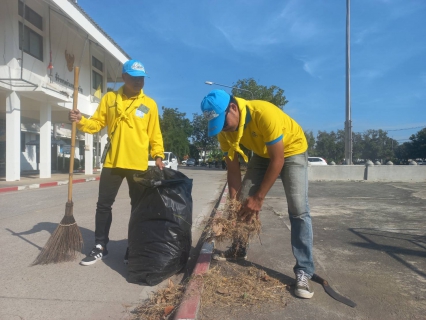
[133, 124]
[266, 124]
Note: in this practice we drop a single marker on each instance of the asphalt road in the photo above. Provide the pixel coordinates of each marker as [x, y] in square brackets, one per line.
[369, 243]
[68, 290]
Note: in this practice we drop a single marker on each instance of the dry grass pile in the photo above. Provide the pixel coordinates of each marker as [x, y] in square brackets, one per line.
[233, 285]
[161, 303]
[226, 285]
[228, 227]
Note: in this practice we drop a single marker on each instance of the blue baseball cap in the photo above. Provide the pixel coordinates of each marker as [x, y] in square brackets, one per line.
[134, 68]
[213, 107]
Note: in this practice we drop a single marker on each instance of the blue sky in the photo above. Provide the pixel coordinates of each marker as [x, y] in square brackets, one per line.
[297, 45]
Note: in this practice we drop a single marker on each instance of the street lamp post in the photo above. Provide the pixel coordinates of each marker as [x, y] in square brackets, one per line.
[348, 122]
[224, 85]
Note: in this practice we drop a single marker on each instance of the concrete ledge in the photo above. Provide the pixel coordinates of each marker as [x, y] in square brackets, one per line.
[336, 172]
[368, 173]
[396, 173]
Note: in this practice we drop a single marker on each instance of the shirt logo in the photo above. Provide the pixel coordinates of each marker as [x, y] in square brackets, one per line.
[137, 66]
[254, 134]
[209, 115]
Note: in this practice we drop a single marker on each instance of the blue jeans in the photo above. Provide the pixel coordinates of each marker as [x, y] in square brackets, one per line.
[294, 176]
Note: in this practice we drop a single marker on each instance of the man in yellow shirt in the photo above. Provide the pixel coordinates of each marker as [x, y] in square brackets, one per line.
[279, 146]
[133, 124]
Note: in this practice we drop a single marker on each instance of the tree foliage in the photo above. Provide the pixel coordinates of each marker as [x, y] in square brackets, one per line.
[271, 94]
[369, 145]
[311, 142]
[176, 130]
[417, 146]
[200, 136]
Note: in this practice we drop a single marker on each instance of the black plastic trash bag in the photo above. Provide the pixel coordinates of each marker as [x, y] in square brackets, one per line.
[160, 226]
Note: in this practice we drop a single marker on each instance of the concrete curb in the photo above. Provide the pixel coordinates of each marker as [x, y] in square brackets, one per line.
[45, 185]
[191, 301]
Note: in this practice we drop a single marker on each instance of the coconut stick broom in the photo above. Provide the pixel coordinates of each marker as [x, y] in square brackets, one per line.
[66, 240]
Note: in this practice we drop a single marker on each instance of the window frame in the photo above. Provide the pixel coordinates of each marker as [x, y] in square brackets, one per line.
[96, 75]
[38, 36]
[30, 15]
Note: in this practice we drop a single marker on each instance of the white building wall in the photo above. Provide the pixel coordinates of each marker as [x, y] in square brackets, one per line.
[77, 36]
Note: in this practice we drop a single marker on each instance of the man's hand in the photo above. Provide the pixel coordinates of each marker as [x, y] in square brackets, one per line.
[74, 116]
[250, 209]
[159, 163]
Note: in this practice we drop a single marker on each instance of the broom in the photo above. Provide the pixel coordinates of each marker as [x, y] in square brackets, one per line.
[66, 240]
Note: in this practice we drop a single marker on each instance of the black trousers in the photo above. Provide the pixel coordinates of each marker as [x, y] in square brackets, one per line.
[109, 184]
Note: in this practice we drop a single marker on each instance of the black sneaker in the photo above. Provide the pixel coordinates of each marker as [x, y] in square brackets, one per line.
[126, 256]
[97, 253]
[233, 253]
[302, 289]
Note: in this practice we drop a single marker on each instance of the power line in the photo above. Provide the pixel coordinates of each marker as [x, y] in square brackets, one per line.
[405, 128]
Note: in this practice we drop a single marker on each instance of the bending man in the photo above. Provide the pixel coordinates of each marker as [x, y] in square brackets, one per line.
[279, 146]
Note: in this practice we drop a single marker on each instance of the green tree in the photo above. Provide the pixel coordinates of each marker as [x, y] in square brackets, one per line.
[194, 152]
[417, 146]
[328, 146]
[377, 145]
[311, 142]
[357, 146]
[271, 94]
[402, 152]
[176, 130]
[200, 137]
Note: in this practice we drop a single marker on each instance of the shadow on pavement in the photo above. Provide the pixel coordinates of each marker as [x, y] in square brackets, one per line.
[403, 244]
[116, 249]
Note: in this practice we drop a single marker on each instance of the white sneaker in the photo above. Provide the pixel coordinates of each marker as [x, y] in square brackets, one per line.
[302, 289]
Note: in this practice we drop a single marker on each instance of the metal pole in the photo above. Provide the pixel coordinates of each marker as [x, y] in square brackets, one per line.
[224, 85]
[348, 122]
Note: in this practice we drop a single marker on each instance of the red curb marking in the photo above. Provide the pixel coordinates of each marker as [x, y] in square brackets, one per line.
[48, 184]
[203, 264]
[188, 309]
[7, 189]
[79, 180]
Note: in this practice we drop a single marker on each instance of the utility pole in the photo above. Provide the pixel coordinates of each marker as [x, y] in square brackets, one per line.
[348, 122]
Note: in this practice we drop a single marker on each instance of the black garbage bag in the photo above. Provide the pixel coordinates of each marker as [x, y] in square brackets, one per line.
[160, 226]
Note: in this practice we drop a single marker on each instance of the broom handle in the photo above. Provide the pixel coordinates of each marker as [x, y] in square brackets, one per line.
[73, 133]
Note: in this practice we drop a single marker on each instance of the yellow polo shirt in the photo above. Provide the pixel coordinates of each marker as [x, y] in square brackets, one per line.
[133, 125]
[266, 124]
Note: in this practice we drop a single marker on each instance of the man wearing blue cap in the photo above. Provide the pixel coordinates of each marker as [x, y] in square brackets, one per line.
[279, 146]
[133, 124]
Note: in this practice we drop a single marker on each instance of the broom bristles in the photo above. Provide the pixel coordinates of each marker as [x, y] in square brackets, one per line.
[64, 242]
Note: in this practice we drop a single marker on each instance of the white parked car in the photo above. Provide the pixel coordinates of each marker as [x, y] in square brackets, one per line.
[317, 161]
[170, 161]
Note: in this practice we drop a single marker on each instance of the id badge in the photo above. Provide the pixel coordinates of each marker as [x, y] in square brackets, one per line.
[141, 111]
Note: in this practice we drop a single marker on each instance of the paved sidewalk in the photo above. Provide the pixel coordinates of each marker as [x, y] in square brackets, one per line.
[33, 181]
[369, 243]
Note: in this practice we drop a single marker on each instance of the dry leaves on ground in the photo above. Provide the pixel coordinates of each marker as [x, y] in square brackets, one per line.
[233, 285]
[227, 226]
[161, 304]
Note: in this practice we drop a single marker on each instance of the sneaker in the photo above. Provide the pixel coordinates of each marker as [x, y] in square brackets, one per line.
[126, 256]
[97, 253]
[232, 253]
[302, 289]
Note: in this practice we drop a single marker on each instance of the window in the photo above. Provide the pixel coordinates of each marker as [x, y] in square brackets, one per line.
[33, 42]
[22, 141]
[30, 15]
[97, 64]
[97, 81]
